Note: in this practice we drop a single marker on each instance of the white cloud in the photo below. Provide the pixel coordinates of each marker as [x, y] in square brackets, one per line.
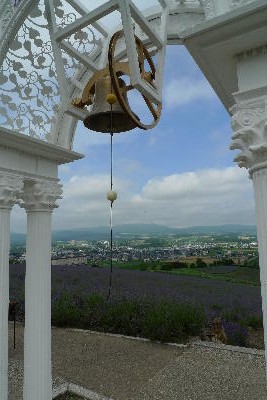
[187, 90]
[215, 182]
[206, 197]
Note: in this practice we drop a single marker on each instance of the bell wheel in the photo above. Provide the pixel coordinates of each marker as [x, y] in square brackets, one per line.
[147, 71]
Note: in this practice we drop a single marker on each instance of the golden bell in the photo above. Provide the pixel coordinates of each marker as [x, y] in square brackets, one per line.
[100, 119]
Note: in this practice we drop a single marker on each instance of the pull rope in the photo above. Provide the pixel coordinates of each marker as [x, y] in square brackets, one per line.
[111, 203]
[111, 153]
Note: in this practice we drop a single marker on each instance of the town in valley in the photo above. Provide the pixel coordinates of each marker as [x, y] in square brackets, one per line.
[211, 245]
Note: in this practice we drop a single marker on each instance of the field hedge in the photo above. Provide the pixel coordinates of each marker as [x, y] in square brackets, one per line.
[164, 320]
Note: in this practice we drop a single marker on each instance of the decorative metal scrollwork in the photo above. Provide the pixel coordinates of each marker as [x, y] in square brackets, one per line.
[29, 91]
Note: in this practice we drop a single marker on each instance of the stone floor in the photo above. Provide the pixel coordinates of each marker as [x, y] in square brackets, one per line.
[108, 367]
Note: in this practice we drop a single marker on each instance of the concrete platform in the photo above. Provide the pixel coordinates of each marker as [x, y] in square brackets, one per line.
[108, 367]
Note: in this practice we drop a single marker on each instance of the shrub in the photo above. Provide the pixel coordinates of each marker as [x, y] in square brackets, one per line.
[216, 307]
[170, 265]
[236, 314]
[237, 335]
[169, 321]
[254, 321]
[66, 313]
[163, 321]
[200, 263]
[224, 261]
[122, 317]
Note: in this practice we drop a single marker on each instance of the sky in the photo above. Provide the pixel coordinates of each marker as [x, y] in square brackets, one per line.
[179, 174]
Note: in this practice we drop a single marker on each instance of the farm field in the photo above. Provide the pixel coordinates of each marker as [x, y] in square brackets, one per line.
[232, 273]
[238, 304]
[131, 284]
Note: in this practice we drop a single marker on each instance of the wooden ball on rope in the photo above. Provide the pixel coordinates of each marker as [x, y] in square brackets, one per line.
[111, 99]
[111, 196]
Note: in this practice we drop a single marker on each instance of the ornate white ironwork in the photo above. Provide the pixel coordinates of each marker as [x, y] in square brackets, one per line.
[29, 91]
[41, 70]
[85, 41]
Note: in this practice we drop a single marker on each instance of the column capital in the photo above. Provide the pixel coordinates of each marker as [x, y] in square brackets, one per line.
[41, 195]
[249, 124]
[10, 189]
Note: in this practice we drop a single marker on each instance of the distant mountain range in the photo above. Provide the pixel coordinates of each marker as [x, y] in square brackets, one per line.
[137, 230]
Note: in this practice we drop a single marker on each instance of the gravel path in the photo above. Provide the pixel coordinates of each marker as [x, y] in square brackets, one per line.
[126, 369]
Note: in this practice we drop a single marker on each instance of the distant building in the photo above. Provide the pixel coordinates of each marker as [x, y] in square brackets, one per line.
[69, 261]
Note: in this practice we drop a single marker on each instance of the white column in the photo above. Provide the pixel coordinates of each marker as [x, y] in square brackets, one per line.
[249, 123]
[4, 299]
[39, 202]
[260, 189]
[9, 189]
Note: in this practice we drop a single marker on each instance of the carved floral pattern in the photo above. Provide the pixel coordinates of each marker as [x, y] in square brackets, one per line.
[41, 195]
[209, 8]
[249, 124]
[247, 114]
[10, 189]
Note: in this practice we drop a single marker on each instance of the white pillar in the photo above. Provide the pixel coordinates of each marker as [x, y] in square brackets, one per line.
[39, 200]
[249, 123]
[9, 189]
[260, 189]
[4, 299]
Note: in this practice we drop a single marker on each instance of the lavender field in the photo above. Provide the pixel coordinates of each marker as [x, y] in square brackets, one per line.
[130, 284]
[160, 306]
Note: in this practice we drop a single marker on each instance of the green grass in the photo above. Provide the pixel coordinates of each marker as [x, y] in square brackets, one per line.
[243, 275]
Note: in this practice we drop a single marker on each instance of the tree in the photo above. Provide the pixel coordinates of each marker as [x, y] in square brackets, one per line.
[200, 263]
